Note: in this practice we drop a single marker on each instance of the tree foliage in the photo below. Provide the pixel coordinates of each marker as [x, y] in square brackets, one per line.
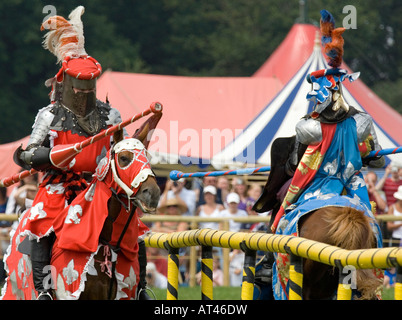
[185, 37]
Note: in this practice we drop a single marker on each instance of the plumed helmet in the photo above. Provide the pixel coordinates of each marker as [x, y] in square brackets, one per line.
[326, 83]
[65, 39]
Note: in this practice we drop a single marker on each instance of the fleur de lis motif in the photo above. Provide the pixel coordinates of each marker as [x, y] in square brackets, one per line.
[37, 212]
[131, 280]
[69, 273]
[74, 212]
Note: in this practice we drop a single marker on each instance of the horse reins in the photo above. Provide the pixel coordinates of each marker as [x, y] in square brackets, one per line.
[116, 248]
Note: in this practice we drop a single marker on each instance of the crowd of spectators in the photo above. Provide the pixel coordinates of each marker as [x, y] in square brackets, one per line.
[213, 197]
[386, 193]
[210, 197]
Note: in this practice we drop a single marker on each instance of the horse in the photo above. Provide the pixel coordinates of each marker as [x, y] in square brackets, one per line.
[344, 227]
[95, 253]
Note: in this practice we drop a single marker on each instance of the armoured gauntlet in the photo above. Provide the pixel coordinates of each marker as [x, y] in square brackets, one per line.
[33, 157]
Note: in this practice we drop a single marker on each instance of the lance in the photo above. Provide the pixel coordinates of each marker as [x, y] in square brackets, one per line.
[176, 175]
[384, 152]
[61, 155]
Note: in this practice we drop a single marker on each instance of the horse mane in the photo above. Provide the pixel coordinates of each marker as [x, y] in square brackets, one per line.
[350, 229]
[348, 221]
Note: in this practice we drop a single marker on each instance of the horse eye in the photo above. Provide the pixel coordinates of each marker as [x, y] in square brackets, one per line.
[124, 160]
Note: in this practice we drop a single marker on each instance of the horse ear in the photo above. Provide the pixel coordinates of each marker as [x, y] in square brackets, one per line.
[144, 133]
[118, 136]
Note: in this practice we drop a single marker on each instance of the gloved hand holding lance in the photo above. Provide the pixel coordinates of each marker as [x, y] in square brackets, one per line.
[61, 155]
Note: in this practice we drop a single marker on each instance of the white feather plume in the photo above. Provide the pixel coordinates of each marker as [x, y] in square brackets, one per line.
[74, 28]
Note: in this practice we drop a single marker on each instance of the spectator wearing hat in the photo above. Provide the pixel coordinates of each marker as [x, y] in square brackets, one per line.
[210, 209]
[208, 181]
[390, 184]
[233, 211]
[177, 189]
[172, 207]
[396, 210]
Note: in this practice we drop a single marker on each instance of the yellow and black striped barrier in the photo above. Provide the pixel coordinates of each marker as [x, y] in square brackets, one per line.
[206, 273]
[295, 277]
[297, 247]
[172, 273]
[398, 283]
[344, 291]
[247, 288]
[381, 258]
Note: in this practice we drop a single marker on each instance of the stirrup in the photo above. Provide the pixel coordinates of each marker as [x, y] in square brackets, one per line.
[145, 290]
[44, 293]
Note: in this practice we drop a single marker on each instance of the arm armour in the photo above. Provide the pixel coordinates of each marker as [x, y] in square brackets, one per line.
[308, 131]
[41, 127]
[36, 156]
[365, 128]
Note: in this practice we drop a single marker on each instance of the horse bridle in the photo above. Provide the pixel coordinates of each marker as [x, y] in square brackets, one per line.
[138, 179]
[130, 192]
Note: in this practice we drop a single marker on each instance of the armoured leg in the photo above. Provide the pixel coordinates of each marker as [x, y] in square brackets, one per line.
[142, 259]
[40, 258]
[263, 277]
[293, 160]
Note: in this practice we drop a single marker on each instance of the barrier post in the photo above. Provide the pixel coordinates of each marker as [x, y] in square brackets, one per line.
[206, 273]
[172, 272]
[247, 288]
[193, 260]
[226, 253]
[344, 288]
[295, 277]
[398, 283]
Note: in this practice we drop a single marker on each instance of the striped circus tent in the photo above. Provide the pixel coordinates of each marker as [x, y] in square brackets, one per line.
[279, 117]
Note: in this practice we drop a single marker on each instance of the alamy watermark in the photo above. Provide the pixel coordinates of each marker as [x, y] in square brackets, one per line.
[349, 277]
[51, 11]
[350, 21]
[204, 144]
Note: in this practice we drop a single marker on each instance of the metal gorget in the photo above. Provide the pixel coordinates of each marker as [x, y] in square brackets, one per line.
[89, 125]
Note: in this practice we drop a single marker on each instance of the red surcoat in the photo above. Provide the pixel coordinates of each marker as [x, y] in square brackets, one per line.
[58, 186]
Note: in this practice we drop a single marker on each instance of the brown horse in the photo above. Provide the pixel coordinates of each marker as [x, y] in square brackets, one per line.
[346, 228]
[114, 228]
[103, 286]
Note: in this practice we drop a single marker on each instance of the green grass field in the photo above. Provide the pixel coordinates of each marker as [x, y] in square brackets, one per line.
[228, 293]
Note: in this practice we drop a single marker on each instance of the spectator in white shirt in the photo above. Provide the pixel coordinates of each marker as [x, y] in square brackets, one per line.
[154, 278]
[233, 211]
